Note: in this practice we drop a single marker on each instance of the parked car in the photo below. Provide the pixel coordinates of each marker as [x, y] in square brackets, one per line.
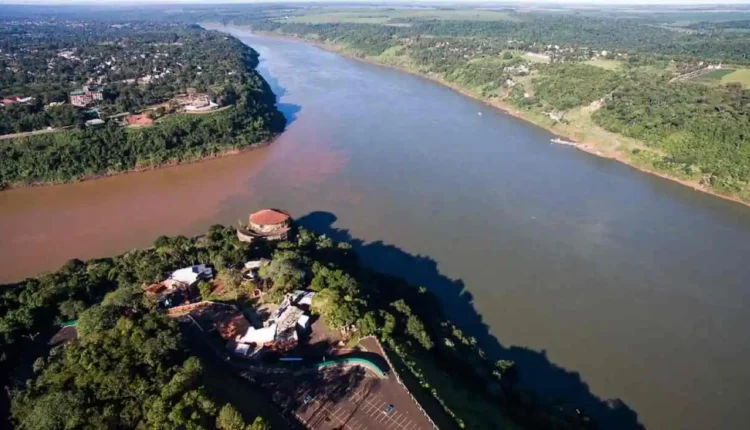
[388, 409]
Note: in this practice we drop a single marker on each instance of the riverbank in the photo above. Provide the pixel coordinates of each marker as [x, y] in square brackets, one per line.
[603, 143]
[171, 163]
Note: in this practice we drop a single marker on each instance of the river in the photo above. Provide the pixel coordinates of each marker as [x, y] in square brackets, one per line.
[601, 281]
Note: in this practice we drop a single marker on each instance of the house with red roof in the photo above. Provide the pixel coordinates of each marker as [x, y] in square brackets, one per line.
[266, 224]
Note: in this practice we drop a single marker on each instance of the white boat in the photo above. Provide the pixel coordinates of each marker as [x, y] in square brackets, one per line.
[559, 141]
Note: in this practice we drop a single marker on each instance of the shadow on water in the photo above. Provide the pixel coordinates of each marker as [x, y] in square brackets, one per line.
[550, 381]
[289, 110]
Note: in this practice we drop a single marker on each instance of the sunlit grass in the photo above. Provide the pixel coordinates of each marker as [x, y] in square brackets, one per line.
[741, 76]
[606, 64]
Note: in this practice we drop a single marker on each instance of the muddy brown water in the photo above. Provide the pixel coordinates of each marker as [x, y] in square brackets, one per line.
[602, 282]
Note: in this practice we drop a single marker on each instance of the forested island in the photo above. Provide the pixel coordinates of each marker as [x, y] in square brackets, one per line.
[152, 94]
[666, 92]
[134, 365]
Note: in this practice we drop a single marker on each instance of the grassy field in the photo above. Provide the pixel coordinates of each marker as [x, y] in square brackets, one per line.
[606, 64]
[740, 75]
[725, 76]
[383, 16]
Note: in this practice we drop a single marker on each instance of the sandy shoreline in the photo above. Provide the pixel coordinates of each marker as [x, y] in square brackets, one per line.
[586, 146]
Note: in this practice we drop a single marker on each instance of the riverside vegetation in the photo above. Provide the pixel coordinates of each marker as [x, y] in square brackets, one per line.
[107, 379]
[619, 83]
[46, 60]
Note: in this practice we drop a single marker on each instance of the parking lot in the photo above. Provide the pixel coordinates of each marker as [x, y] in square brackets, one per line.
[361, 409]
[347, 398]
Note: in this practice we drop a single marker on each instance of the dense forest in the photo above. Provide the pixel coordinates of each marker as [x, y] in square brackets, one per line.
[541, 29]
[212, 62]
[131, 368]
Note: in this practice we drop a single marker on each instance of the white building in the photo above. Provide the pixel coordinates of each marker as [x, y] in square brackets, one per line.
[191, 275]
[259, 336]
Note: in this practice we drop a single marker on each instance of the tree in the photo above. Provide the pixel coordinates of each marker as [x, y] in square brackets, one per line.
[230, 279]
[389, 324]
[205, 290]
[230, 419]
[367, 324]
[285, 275]
[70, 309]
[415, 328]
[401, 306]
[96, 320]
[259, 424]
[337, 311]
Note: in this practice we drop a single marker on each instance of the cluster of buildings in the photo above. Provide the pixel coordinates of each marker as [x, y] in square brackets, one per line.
[280, 332]
[179, 297]
[86, 96]
[194, 101]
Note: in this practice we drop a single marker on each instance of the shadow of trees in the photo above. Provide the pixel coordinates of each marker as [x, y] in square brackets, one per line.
[289, 110]
[550, 382]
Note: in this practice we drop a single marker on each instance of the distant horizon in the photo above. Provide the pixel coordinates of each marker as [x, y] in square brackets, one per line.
[382, 2]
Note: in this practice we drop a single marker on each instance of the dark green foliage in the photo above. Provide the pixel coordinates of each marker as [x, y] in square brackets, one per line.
[565, 86]
[701, 128]
[599, 33]
[131, 369]
[17, 118]
[217, 62]
[129, 372]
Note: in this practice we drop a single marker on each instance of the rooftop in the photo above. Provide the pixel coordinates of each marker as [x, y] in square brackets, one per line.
[269, 217]
[234, 324]
[68, 333]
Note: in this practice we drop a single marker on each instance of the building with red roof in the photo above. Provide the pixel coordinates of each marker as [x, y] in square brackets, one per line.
[266, 224]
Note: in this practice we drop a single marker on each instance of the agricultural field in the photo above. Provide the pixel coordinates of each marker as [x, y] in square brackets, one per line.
[379, 16]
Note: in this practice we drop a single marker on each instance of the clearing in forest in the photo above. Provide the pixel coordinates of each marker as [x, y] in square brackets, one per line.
[740, 75]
